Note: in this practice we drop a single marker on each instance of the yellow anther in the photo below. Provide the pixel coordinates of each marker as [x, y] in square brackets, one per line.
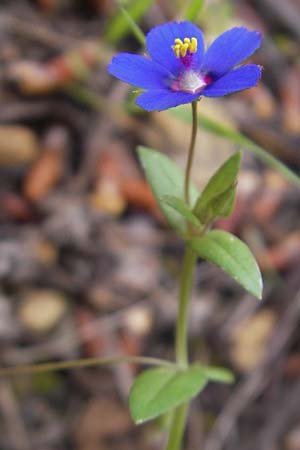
[178, 41]
[184, 49]
[193, 45]
[176, 49]
[181, 48]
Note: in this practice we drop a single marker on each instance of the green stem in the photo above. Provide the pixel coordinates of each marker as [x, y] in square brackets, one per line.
[186, 278]
[177, 427]
[187, 178]
[136, 30]
[85, 362]
[181, 339]
[180, 414]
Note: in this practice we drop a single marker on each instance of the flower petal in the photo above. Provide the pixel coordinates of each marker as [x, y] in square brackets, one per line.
[138, 71]
[158, 100]
[229, 49]
[160, 39]
[238, 79]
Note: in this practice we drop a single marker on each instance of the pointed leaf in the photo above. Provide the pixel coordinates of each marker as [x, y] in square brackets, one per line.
[136, 30]
[219, 374]
[179, 205]
[157, 391]
[165, 178]
[217, 198]
[193, 10]
[120, 26]
[232, 255]
[223, 204]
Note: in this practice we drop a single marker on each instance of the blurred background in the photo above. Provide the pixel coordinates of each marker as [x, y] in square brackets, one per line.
[87, 265]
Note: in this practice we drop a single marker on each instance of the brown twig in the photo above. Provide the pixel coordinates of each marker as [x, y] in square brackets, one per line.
[16, 430]
[256, 381]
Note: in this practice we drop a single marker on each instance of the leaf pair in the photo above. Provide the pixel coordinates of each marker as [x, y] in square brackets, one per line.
[157, 391]
[217, 199]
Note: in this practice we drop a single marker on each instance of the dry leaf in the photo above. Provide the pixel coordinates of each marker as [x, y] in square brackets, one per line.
[41, 310]
[18, 145]
[250, 338]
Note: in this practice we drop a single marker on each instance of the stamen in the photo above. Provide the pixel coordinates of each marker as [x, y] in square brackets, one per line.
[188, 46]
[176, 49]
[178, 41]
[184, 49]
[193, 45]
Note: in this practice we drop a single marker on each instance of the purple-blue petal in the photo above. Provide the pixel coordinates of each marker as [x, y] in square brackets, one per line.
[230, 49]
[160, 39]
[238, 79]
[158, 100]
[138, 71]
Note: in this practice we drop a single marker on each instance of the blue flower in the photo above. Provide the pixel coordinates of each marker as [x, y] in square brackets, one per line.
[179, 70]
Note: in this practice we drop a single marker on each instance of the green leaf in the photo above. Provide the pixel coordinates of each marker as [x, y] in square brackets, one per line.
[232, 255]
[217, 198]
[136, 30]
[219, 129]
[157, 391]
[223, 204]
[219, 374]
[122, 23]
[193, 10]
[179, 205]
[166, 179]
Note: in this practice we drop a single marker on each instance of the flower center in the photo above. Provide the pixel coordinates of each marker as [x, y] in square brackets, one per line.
[189, 81]
[192, 82]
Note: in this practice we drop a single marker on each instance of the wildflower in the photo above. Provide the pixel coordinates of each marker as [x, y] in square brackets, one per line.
[179, 70]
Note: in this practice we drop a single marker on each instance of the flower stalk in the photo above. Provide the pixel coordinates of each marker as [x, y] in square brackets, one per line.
[186, 280]
[191, 152]
[177, 427]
